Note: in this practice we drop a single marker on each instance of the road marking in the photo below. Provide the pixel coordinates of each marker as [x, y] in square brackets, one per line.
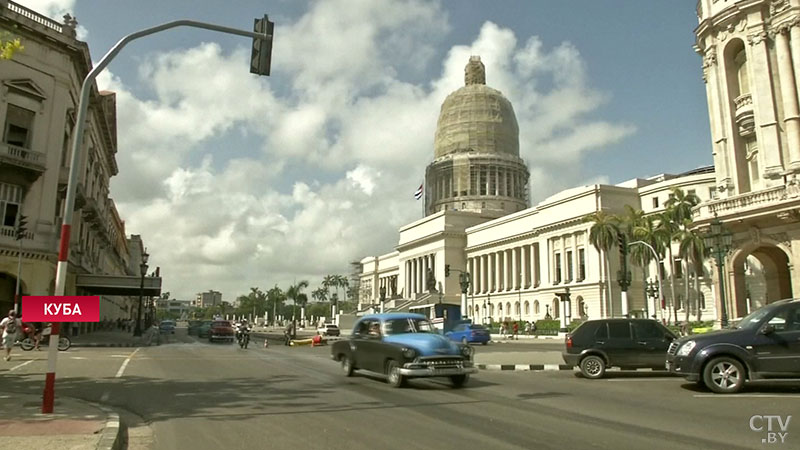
[104, 397]
[78, 357]
[125, 363]
[746, 396]
[21, 365]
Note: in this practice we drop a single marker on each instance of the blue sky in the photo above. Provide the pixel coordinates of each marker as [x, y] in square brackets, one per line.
[236, 180]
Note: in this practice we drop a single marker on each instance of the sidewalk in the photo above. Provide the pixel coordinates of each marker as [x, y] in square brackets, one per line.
[117, 338]
[535, 361]
[75, 424]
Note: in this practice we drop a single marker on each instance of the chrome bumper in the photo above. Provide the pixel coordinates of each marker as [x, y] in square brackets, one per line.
[413, 370]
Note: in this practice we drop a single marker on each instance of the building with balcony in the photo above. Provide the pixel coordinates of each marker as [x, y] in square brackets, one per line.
[750, 53]
[39, 90]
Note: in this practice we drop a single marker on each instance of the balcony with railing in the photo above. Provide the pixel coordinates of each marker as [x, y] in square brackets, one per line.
[25, 158]
[744, 203]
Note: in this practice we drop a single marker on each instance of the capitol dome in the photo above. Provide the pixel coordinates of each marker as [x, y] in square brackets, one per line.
[476, 164]
[476, 118]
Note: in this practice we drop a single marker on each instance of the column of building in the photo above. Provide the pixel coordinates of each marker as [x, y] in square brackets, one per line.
[789, 95]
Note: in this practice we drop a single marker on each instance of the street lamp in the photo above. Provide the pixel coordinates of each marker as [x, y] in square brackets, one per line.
[383, 297]
[719, 241]
[143, 268]
[652, 289]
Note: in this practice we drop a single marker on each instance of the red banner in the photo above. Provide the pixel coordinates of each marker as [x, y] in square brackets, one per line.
[54, 308]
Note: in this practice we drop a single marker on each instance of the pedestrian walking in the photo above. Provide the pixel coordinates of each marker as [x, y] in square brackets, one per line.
[10, 326]
[527, 328]
[516, 330]
[533, 327]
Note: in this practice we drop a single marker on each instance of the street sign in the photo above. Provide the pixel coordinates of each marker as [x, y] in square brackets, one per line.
[261, 56]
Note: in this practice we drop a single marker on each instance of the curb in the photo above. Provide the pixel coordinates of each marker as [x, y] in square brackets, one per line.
[525, 367]
[111, 438]
[113, 345]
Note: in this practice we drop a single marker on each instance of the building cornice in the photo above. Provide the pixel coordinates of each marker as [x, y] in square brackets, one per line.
[438, 236]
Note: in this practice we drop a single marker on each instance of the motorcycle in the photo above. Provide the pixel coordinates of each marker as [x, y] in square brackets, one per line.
[28, 343]
[244, 338]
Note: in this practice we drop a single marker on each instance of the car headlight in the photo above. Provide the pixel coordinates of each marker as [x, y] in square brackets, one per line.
[409, 353]
[466, 351]
[686, 348]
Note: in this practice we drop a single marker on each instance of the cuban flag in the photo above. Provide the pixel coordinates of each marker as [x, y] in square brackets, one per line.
[418, 194]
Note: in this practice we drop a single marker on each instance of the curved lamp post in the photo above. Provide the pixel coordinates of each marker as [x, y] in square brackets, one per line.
[719, 240]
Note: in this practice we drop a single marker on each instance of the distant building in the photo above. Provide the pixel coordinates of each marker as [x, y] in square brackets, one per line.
[206, 299]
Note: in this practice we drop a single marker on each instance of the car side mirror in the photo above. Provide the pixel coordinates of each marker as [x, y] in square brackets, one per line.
[768, 329]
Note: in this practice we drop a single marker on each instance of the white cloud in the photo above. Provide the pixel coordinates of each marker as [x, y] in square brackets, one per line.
[332, 157]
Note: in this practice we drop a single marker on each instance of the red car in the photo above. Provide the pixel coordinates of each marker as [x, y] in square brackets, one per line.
[221, 330]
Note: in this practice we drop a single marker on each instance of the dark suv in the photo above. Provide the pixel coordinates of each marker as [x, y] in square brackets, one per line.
[625, 343]
[765, 344]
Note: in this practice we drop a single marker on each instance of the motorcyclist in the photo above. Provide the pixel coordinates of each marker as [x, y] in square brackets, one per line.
[242, 328]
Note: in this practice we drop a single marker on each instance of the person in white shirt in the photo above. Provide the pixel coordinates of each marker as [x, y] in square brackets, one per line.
[10, 327]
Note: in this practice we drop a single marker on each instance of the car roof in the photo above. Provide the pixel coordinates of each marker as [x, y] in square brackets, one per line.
[397, 315]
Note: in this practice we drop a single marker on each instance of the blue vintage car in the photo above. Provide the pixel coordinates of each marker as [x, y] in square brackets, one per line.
[400, 346]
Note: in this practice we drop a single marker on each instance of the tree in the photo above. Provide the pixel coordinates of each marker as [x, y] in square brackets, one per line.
[320, 294]
[667, 230]
[627, 223]
[603, 236]
[679, 217]
[9, 45]
[274, 302]
[693, 250]
[294, 292]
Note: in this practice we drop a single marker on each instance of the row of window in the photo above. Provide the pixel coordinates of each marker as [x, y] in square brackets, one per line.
[581, 263]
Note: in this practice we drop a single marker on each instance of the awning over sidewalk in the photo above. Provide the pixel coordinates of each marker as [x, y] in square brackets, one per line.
[119, 285]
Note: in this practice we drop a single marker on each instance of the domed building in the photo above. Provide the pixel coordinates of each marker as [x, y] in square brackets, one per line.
[520, 261]
[476, 149]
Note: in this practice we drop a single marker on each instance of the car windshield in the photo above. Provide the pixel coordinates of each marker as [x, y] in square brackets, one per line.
[408, 325]
[752, 319]
[220, 324]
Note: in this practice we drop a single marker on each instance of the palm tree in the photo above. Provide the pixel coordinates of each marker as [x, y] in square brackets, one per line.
[667, 230]
[647, 232]
[294, 292]
[693, 249]
[320, 294]
[680, 207]
[603, 236]
[274, 297]
[627, 223]
[342, 282]
[328, 282]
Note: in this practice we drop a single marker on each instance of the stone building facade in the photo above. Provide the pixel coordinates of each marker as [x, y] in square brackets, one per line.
[750, 53]
[39, 91]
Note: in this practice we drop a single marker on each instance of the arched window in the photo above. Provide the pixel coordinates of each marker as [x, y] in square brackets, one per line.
[508, 308]
[679, 302]
[491, 309]
[527, 308]
[500, 310]
[516, 309]
[581, 307]
[701, 300]
[536, 307]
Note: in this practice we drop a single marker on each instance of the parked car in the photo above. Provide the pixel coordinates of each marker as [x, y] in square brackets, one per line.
[400, 346]
[166, 327]
[626, 343]
[221, 330]
[204, 329]
[193, 327]
[468, 333]
[763, 345]
[329, 329]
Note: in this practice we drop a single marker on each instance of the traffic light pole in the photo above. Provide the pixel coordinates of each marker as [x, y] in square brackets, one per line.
[19, 274]
[72, 183]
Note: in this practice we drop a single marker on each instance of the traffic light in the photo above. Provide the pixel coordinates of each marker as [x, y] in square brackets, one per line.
[622, 241]
[261, 56]
[21, 228]
[447, 270]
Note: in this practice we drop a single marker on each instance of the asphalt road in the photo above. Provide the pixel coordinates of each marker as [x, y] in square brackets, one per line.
[195, 395]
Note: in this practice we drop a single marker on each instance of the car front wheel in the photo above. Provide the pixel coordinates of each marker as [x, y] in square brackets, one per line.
[459, 380]
[593, 367]
[394, 377]
[347, 366]
[724, 375]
